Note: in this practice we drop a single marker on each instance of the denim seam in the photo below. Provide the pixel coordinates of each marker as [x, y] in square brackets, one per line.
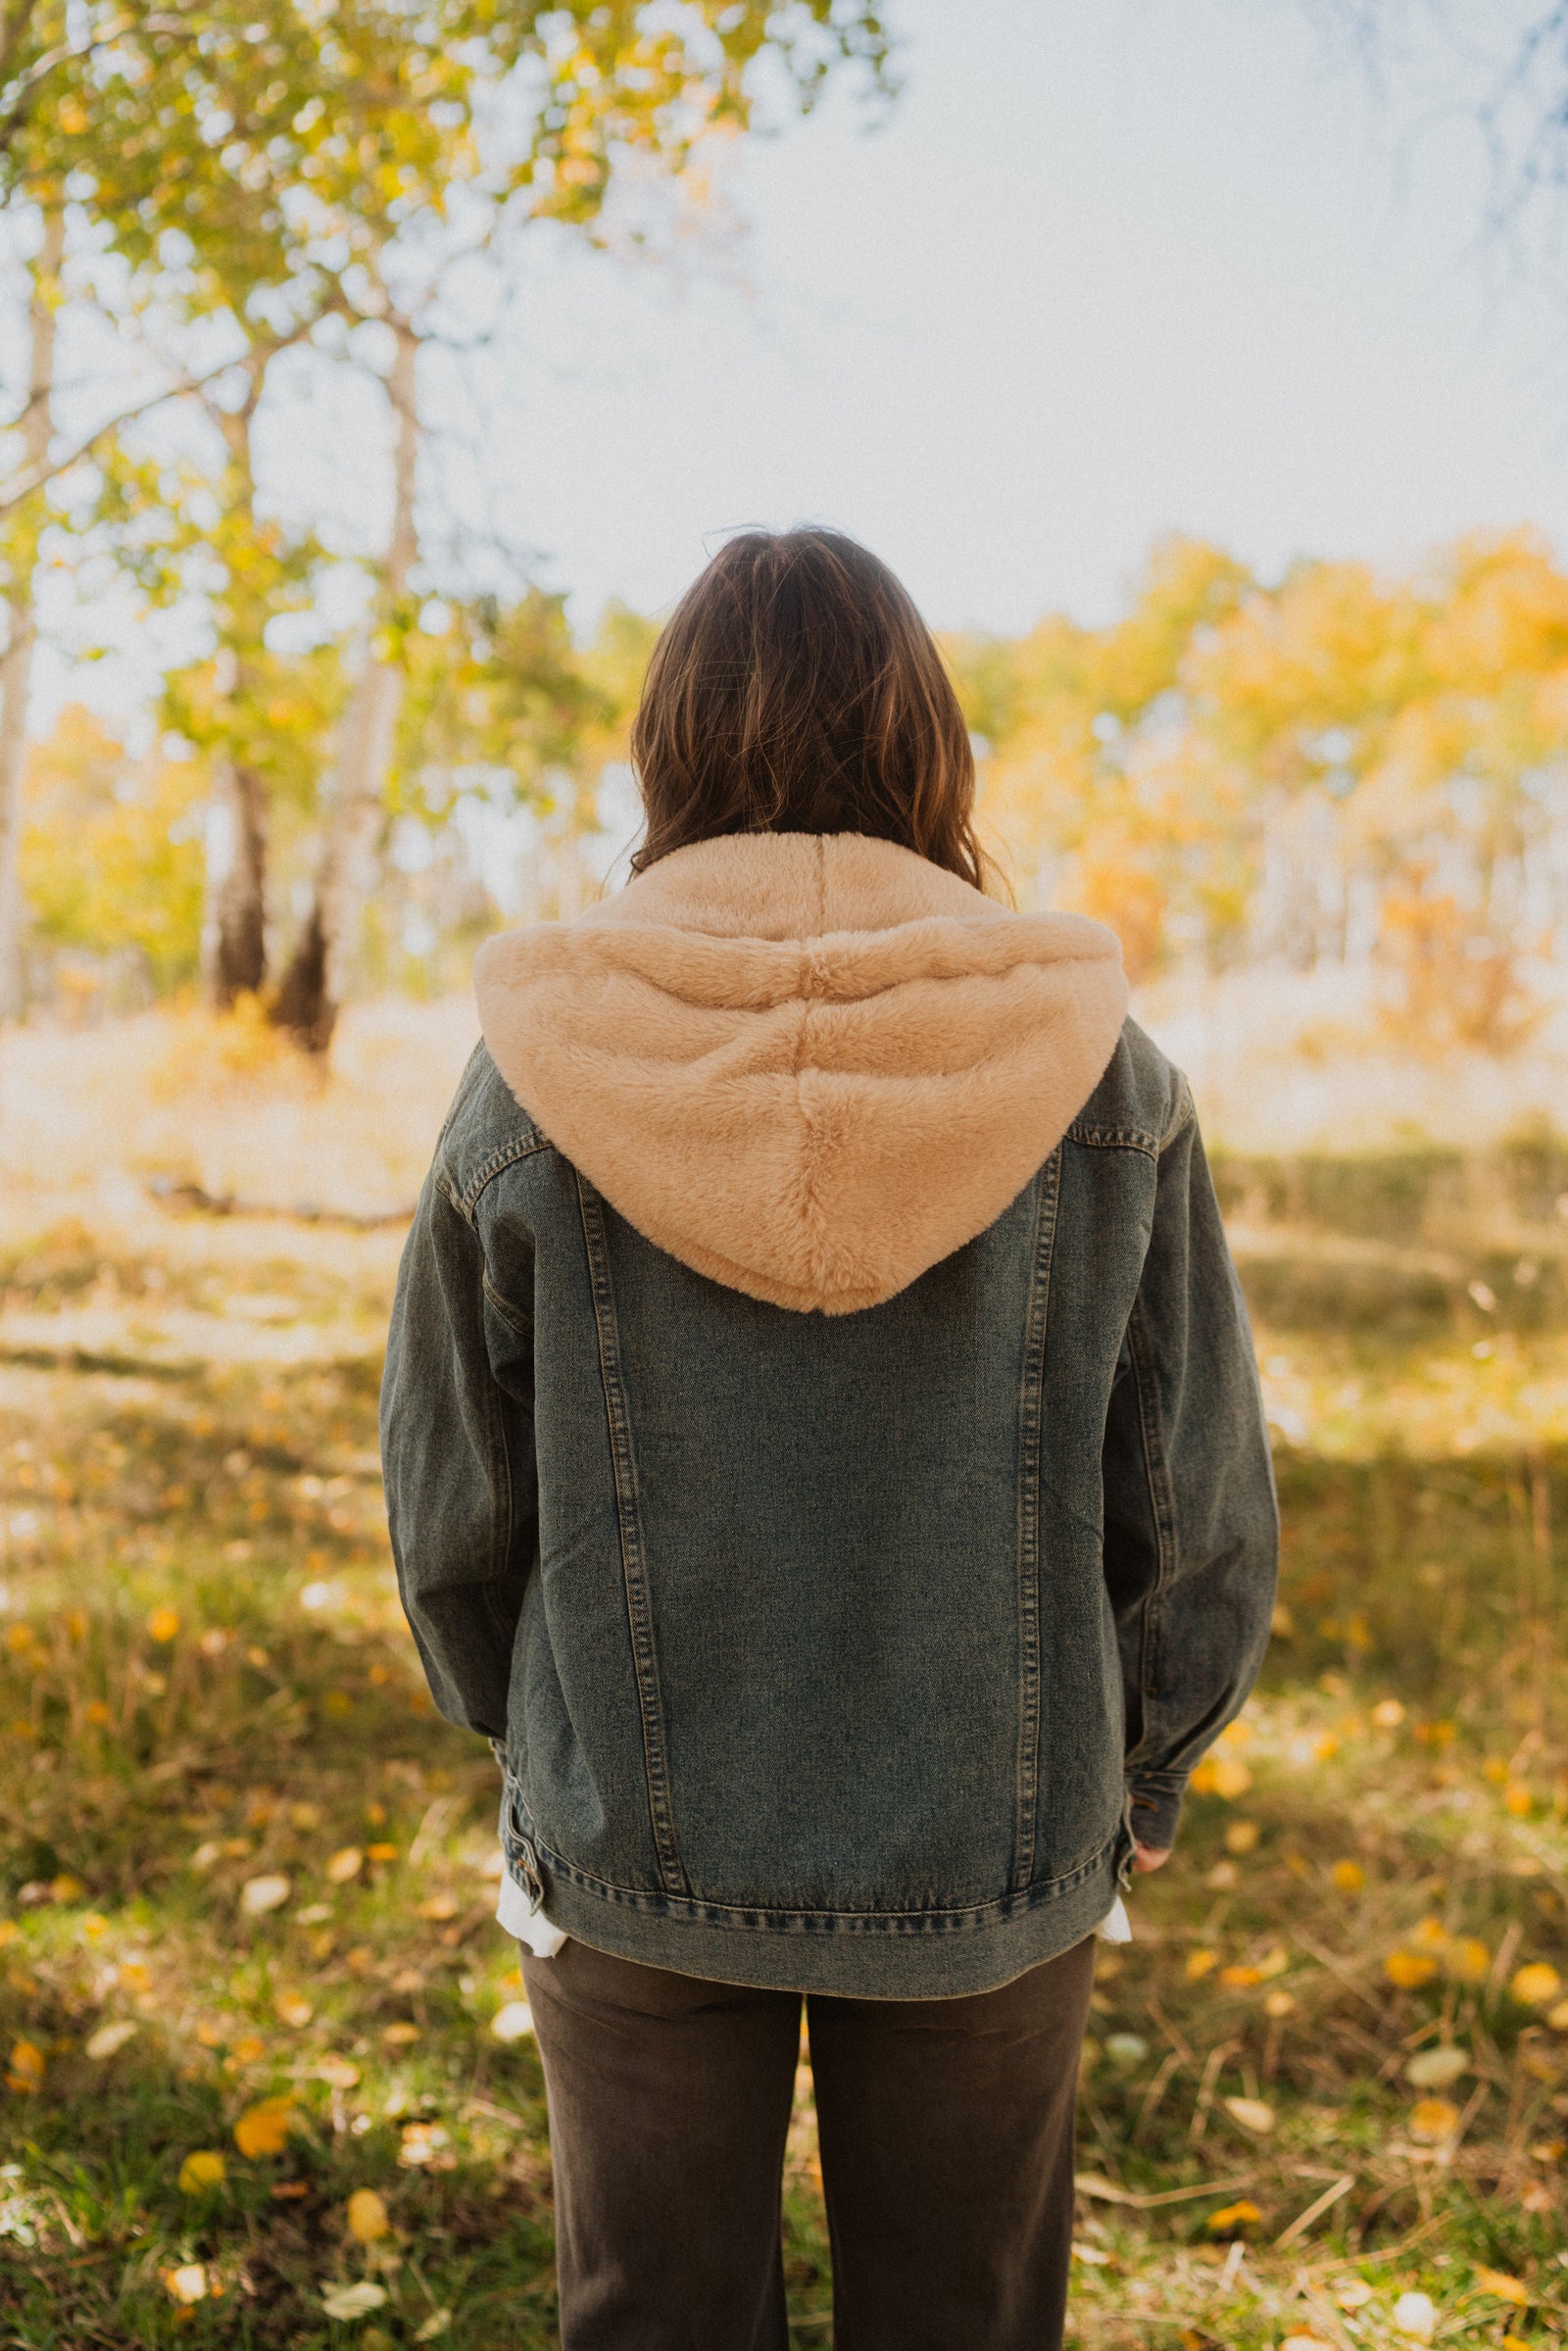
[505, 1156]
[515, 1317]
[1162, 1510]
[633, 1560]
[1031, 1407]
[1097, 1138]
[936, 1919]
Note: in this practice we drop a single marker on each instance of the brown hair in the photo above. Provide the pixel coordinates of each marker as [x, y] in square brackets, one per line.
[796, 689]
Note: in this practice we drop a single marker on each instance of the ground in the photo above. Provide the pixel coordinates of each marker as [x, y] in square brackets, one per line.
[266, 2074]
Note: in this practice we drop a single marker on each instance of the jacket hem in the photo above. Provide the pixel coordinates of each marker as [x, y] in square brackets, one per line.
[865, 1955]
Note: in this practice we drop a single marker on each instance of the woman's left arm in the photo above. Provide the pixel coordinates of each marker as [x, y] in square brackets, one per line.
[457, 1450]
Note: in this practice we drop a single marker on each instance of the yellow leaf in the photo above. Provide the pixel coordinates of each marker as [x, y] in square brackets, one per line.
[1199, 1963]
[1278, 2003]
[400, 2036]
[1349, 1875]
[26, 2066]
[1409, 1969]
[1534, 1985]
[1232, 1777]
[1505, 2288]
[366, 2215]
[439, 1907]
[1252, 2114]
[345, 1864]
[1432, 2120]
[201, 2170]
[264, 2130]
[1236, 1978]
[1232, 2217]
[163, 1624]
[1241, 1837]
[1467, 1959]
[380, 1852]
[1432, 1934]
[247, 2050]
[1557, 2017]
[293, 2009]
[1517, 1799]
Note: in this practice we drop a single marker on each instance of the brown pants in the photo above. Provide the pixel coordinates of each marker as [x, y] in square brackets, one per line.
[946, 2131]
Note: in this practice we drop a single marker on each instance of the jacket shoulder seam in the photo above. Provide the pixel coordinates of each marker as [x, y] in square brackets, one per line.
[496, 1162]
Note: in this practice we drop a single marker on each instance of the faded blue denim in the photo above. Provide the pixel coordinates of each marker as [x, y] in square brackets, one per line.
[838, 1653]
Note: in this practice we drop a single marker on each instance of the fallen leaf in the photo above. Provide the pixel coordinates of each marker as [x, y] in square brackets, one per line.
[1349, 1875]
[1505, 2288]
[354, 2301]
[1436, 2069]
[338, 2071]
[1092, 2255]
[366, 2215]
[1467, 1959]
[201, 2171]
[1534, 1985]
[421, 2143]
[1236, 1978]
[110, 2037]
[26, 2066]
[1233, 2217]
[1416, 2316]
[1432, 2120]
[293, 2009]
[1252, 2114]
[380, 1852]
[346, 1863]
[264, 2130]
[1278, 2003]
[1242, 1837]
[1199, 1963]
[439, 1907]
[163, 1624]
[260, 1894]
[1408, 1970]
[400, 2036]
[1355, 2293]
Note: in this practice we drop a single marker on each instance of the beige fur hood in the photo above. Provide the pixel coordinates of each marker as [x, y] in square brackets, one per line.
[809, 1067]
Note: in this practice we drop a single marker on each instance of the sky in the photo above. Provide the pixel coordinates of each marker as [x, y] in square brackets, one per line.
[1112, 269]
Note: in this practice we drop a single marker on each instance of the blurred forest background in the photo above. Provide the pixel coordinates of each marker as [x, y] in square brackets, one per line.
[268, 2074]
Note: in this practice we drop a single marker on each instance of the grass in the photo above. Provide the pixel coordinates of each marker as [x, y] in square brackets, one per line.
[206, 1687]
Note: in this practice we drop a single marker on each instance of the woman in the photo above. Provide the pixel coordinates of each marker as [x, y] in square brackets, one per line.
[824, 1456]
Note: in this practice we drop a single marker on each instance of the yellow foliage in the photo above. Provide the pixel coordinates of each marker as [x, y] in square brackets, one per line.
[1409, 1970]
[1534, 1985]
[264, 2128]
[111, 855]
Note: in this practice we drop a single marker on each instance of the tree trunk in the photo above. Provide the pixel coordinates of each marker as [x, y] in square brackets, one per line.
[234, 928]
[314, 983]
[16, 666]
[235, 941]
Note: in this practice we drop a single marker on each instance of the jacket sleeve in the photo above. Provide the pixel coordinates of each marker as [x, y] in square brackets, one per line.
[1190, 1522]
[458, 1455]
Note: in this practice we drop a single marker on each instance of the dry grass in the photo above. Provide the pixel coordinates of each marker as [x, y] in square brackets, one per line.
[204, 1684]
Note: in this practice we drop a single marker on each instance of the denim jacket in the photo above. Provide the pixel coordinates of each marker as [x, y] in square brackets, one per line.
[838, 1650]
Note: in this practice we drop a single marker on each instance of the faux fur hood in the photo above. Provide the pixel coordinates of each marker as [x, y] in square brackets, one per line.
[809, 1067]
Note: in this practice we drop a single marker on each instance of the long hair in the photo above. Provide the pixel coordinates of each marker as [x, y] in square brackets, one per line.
[796, 689]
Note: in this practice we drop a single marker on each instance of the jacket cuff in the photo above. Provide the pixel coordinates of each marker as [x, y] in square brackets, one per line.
[1156, 1808]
